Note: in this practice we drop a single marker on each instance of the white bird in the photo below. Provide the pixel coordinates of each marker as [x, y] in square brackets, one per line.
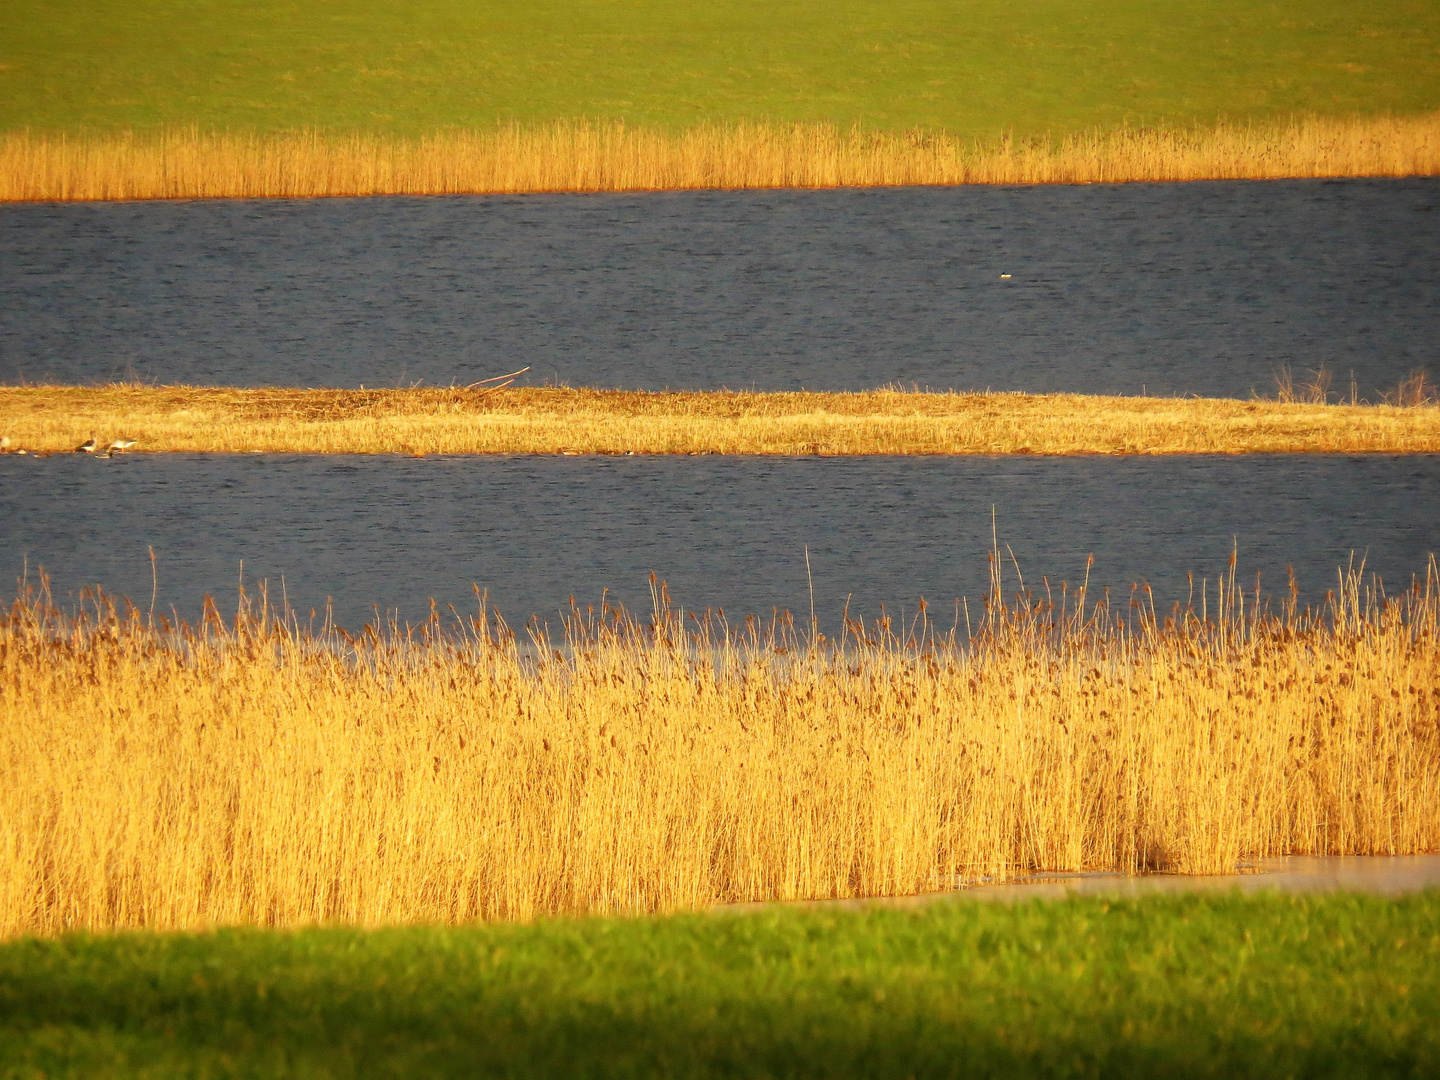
[4, 442]
[86, 447]
[119, 446]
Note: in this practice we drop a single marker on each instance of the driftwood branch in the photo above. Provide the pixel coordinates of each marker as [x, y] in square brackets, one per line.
[497, 382]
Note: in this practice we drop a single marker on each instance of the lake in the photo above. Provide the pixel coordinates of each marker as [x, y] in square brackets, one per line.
[1203, 288]
[1199, 288]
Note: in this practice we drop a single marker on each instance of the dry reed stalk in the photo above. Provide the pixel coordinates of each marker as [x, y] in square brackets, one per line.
[581, 156]
[457, 420]
[253, 771]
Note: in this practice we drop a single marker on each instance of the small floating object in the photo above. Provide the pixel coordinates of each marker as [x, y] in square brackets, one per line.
[569, 451]
[1004, 277]
[86, 447]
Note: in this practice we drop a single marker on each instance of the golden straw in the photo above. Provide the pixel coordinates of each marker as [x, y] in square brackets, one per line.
[581, 156]
[251, 770]
[481, 420]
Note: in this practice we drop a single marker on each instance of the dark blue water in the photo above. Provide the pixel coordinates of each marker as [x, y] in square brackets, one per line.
[1189, 288]
[723, 532]
[1201, 288]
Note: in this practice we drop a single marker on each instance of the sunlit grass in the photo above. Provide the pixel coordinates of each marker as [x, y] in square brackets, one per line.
[457, 420]
[1213, 986]
[975, 68]
[582, 156]
[254, 770]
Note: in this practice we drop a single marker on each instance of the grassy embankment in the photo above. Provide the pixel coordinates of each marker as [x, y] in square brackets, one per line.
[547, 421]
[1265, 986]
[382, 96]
[258, 772]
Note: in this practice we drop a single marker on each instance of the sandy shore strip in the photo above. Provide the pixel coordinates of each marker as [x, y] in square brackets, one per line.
[1376, 875]
[457, 420]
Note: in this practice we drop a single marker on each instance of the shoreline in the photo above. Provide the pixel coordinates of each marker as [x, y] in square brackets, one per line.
[1374, 874]
[581, 156]
[44, 420]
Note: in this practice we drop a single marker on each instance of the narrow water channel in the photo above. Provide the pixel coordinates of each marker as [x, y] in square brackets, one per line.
[728, 533]
[1198, 288]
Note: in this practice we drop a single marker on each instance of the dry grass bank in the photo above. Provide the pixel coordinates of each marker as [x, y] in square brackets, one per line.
[548, 421]
[611, 157]
[249, 771]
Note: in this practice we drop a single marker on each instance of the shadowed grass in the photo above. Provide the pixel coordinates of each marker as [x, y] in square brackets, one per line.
[1215, 986]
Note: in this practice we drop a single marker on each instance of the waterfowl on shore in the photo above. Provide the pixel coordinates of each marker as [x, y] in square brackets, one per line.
[119, 446]
[86, 447]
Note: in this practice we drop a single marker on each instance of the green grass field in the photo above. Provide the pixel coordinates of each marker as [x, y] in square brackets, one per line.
[1188, 986]
[967, 66]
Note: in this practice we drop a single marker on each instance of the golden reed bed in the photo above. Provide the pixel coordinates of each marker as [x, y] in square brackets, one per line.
[251, 771]
[453, 420]
[581, 156]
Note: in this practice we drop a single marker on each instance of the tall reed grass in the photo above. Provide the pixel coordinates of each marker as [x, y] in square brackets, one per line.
[594, 156]
[254, 769]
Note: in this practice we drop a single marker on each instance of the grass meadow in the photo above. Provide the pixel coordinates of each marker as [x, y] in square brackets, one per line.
[972, 68]
[1214, 986]
[551, 420]
[222, 99]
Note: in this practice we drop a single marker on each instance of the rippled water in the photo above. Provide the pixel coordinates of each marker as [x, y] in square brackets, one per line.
[1188, 288]
[724, 532]
[1172, 288]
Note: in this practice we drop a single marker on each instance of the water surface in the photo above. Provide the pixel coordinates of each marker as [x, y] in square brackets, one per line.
[722, 531]
[1379, 875]
[1203, 288]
